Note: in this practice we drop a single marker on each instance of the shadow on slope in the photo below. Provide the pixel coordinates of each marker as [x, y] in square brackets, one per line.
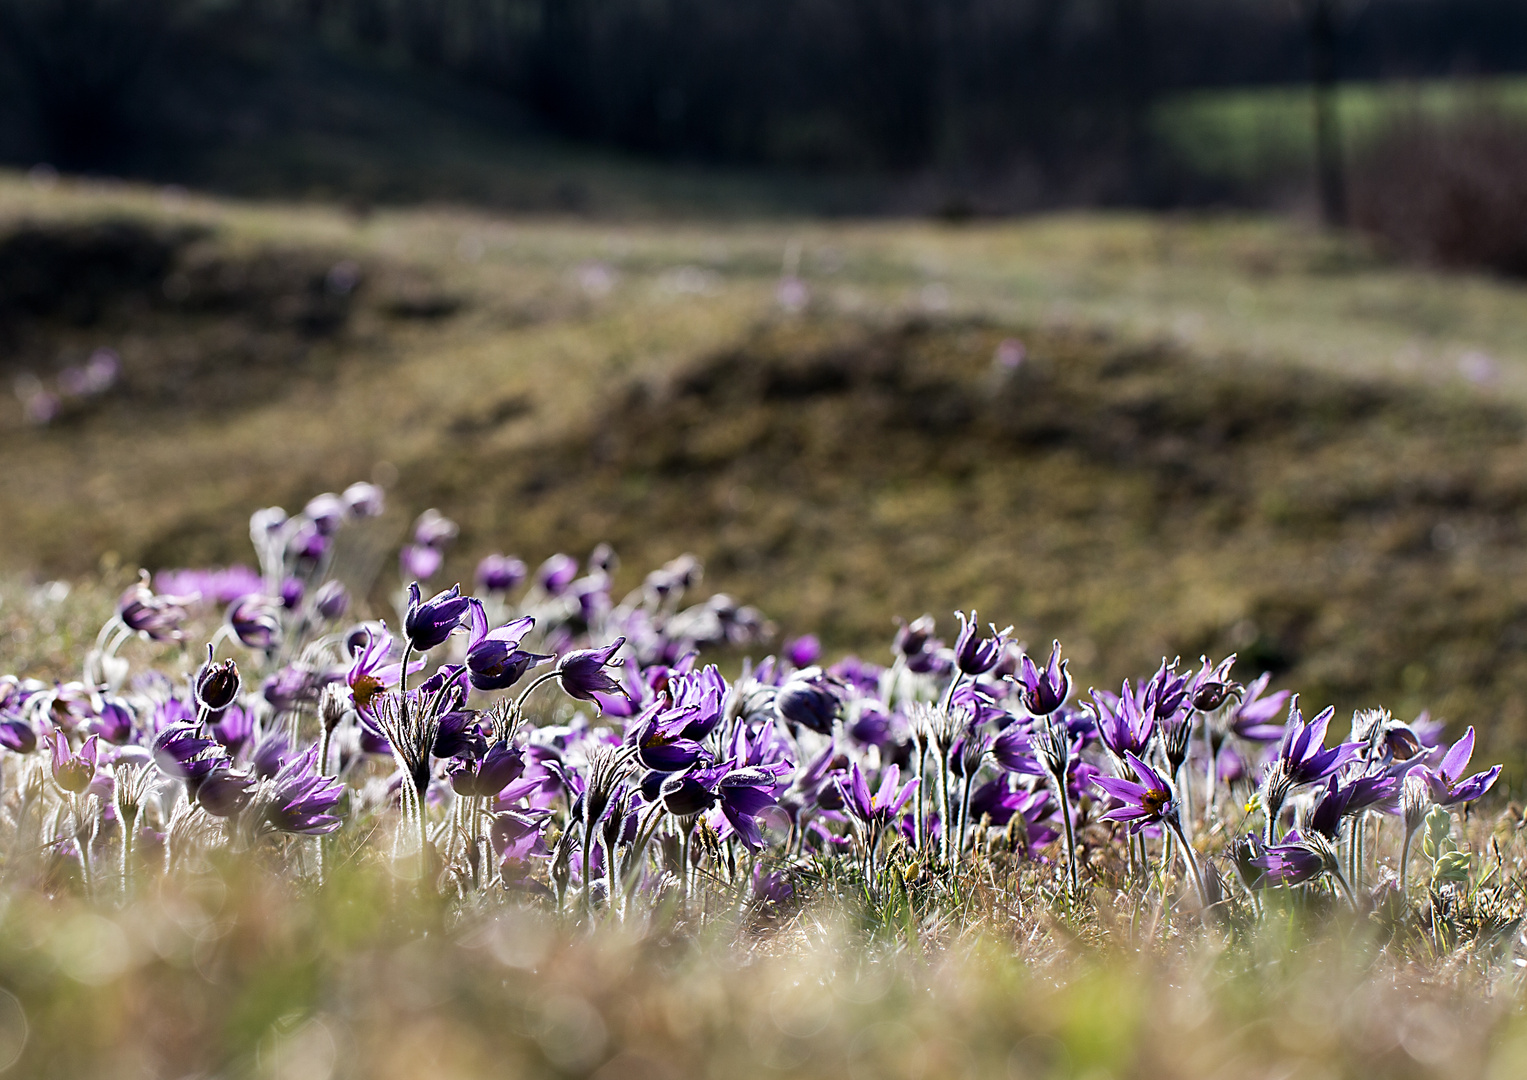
[1363, 542]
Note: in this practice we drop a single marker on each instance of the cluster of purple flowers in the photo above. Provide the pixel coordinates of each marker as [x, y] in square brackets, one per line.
[651, 771]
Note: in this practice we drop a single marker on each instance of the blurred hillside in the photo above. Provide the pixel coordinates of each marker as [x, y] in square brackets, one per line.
[1144, 435]
[956, 106]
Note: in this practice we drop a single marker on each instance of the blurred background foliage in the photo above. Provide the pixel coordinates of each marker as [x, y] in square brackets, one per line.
[959, 106]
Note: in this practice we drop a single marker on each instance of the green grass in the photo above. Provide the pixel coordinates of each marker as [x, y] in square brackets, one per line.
[1250, 136]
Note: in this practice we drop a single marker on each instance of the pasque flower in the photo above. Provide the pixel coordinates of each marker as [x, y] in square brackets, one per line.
[1043, 691]
[499, 573]
[254, 621]
[370, 673]
[494, 659]
[582, 673]
[1125, 723]
[73, 771]
[879, 809]
[1445, 782]
[299, 799]
[429, 622]
[217, 684]
[489, 774]
[973, 654]
[811, 699]
[1303, 754]
[1146, 800]
[1253, 717]
[155, 617]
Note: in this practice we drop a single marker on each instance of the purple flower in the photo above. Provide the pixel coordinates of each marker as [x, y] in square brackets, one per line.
[1212, 686]
[1293, 861]
[234, 728]
[182, 751]
[1444, 781]
[73, 771]
[803, 651]
[419, 563]
[581, 672]
[1124, 723]
[429, 622]
[370, 672]
[494, 659]
[1043, 692]
[556, 574]
[740, 794]
[254, 622]
[331, 601]
[914, 642]
[1253, 717]
[364, 500]
[660, 741]
[217, 684]
[499, 573]
[516, 835]
[1146, 800]
[884, 806]
[114, 723]
[155, 617]
[488, 775]
[327, 513]
[1339, 800]
[1013, 749]
[224, 791]
[1302, 754]
[432, 529]
[292, 592]
[301, 798]
[973, 654]
[811, 699]
[16, 734]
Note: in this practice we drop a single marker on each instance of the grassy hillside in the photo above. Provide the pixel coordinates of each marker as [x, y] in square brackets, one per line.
[1225, 434]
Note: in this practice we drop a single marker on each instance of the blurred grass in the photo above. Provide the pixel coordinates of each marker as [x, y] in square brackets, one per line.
[1254, 136]
[233, 971]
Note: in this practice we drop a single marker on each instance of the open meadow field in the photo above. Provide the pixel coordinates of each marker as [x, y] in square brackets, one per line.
[1148, 436]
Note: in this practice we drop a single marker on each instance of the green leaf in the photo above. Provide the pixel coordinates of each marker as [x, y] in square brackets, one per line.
[1453, 866]
[1437, 839]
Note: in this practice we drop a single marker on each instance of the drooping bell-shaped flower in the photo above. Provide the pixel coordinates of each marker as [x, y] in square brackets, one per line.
[255, 622]
[811, 699]
[489, 774]
[581, 673]
[499, 574]
[494, 658]
[429, 622]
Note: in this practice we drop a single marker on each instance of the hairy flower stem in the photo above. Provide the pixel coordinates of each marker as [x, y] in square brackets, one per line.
[945, 818]
[129, 829]
[1192, 860]
[586, 900]
[83, 838]
[519, 702]
[1410, 834]
[920, 799]
[1065, 813]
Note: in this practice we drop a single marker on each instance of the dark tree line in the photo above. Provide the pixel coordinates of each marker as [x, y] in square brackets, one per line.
[899, 85]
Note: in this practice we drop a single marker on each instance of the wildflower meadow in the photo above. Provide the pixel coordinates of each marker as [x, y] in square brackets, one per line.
[531, 824]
